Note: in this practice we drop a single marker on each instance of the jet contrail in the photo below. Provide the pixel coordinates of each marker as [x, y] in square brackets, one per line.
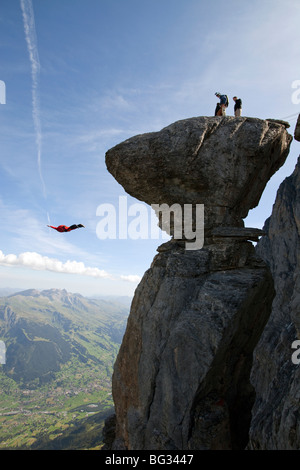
[30, 36]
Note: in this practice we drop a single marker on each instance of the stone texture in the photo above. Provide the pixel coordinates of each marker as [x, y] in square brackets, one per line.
[182, 376]
[181, 379]
[222, 162]
[237, 233]
[297, 129]
[276, 423]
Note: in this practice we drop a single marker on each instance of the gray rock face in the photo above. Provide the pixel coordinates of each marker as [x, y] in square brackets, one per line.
[275, 423]
[297, 129]
[182, 376]
[181, 379]
[223, 163]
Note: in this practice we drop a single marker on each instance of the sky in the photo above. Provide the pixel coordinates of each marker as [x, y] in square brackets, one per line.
[78, 77]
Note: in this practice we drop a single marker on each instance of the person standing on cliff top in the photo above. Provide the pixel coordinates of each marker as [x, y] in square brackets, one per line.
[222, 105]
[218, 107]
[237, 106]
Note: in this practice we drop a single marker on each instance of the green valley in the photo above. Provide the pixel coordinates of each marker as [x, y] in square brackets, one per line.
[56, 383]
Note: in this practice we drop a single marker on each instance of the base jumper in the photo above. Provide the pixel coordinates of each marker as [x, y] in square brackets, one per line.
[64, 228]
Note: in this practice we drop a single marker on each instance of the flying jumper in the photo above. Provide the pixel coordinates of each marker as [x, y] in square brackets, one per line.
[64, 228]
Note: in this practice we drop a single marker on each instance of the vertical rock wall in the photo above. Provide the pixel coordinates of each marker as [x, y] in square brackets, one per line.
[181, 380]
[276, 421]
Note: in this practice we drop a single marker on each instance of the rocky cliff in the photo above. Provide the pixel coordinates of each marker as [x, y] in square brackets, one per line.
[182, 376]
[297, 129]
[276, 374]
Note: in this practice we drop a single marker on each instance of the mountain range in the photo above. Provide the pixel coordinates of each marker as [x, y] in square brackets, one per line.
[60, 351]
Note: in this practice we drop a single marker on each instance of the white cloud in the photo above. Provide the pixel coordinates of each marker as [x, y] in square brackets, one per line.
[38, 262]
[131, 278]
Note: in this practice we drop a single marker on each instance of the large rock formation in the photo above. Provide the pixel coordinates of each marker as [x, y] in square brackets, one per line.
[224, 164]
[276, 373]
[181, 379]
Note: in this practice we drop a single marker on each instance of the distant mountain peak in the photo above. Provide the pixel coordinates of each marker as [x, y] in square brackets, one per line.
[52, 294]
[27, 293]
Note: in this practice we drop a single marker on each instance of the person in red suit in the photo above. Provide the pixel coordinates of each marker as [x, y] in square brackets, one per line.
[64, 228]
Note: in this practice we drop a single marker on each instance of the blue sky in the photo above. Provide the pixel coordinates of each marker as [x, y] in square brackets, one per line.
[82, 76]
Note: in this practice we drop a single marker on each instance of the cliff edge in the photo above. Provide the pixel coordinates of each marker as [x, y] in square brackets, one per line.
[182, 376]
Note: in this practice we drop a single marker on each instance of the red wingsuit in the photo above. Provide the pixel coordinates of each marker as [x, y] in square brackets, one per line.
[64, 228]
